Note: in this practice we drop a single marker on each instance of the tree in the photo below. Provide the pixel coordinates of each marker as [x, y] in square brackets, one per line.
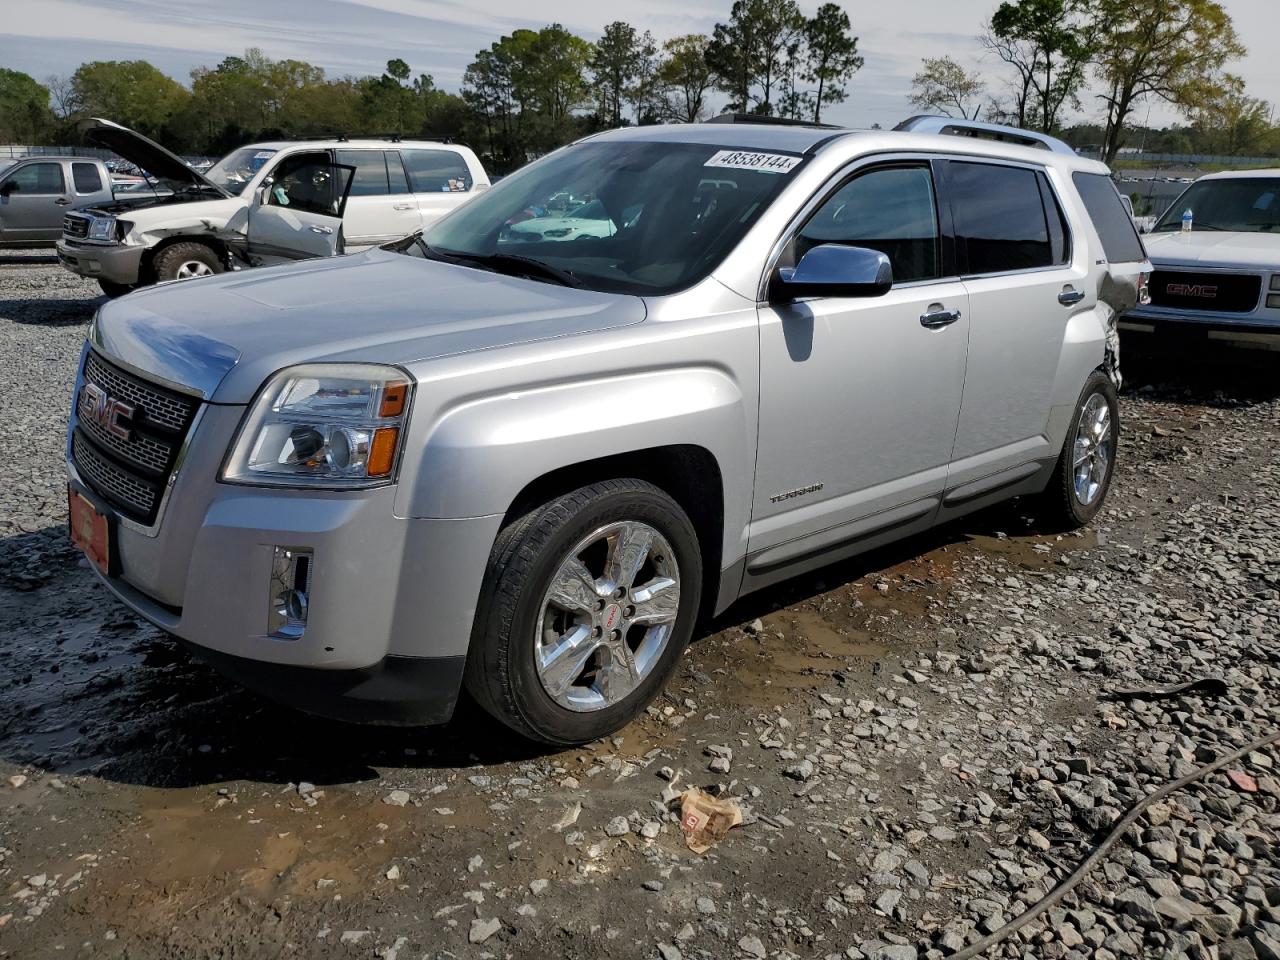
[1232, 122]
[615, 68]
[733, 53]
[944, 86]
[130, 92]
[832, 56]
[24, 108]
[391, 104]
[1049, 43]
[685, 77]
[1170, 50]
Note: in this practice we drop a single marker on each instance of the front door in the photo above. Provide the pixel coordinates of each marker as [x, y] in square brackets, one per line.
[859, 396]
[33, 199]
[298, 213]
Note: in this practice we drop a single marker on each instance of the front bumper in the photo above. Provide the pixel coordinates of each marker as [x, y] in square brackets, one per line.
[391, 598]
[115, 263]
[1252, 331]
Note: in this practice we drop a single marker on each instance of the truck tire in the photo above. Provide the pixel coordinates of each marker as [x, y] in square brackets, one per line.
[182, 261]
[588, 603]
[114, 290]
[1083, 475]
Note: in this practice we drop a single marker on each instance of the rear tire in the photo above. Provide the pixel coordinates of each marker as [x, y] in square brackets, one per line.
[1087, 462]
[182, 261]
[114, 290]
[588, 604]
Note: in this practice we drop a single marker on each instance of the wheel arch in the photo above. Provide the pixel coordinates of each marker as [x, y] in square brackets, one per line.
[147, 270]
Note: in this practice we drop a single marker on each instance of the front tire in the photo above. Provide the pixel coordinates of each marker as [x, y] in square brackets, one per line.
[1085, 467]
[183, 261]
[588, 604]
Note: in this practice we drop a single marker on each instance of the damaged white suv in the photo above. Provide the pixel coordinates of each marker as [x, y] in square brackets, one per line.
[261, 204]
[529, 466]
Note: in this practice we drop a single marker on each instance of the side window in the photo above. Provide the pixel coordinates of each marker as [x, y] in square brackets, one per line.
[86, 178]
[395, 172]
[892, 210]
[371, 172]
[37, 178]
[1120, 241]
[437, 171]
[306, 182]
[999, 217]
[1059, 232]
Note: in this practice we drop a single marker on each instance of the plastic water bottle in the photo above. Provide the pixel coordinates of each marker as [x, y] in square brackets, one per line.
[1186, 220]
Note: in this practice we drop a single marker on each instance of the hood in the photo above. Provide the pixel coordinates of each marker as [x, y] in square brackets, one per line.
[1215, 248]
[224, 335]
[147, 154]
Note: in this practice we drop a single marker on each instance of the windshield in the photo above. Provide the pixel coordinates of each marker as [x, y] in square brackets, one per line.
[628, 217]
[238, 167]
[1249, 204]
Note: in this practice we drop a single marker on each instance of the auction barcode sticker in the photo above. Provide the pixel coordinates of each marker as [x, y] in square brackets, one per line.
[746, 160]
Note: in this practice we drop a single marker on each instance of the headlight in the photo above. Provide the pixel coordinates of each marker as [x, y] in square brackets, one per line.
[102, 228]
[331, 425]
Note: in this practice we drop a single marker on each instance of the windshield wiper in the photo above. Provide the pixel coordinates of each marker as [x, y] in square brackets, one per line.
[513, 264]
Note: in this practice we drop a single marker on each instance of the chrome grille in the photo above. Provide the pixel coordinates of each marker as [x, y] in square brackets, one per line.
[122, 488]
[131, 471]
[160, 406]
[77, 228]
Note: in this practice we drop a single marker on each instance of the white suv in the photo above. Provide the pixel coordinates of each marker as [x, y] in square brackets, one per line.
[262, 204]
[1219, 280]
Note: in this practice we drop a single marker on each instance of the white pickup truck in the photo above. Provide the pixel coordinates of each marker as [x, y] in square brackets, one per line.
[262, 204]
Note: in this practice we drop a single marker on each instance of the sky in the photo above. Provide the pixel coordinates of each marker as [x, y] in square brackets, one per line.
[440, 37]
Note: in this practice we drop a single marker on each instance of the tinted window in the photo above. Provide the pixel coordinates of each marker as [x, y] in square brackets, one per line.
[395, 172]
[306, 182]
[371, 172]
[891, 210]
[1059, 233]
[86, 177]
[38, 178]
[436, 171]
[1114, 225]
[999, 218]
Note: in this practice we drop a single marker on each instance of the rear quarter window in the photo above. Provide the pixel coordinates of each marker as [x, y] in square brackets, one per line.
[1120, 240]
[86, 177]
[436, 171]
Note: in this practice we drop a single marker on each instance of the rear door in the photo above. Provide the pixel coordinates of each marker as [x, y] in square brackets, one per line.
[33, 198]
[89, 184]
[381, 207]
[1016, 257]
[440, 180]
[298, 212]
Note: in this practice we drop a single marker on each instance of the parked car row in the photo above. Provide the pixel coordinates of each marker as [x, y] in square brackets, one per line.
[527, 463]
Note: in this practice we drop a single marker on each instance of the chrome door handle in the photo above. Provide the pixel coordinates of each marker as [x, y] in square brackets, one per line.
[402, 206]
[62, 201]
[325, 230]
[937, 319]
[1069, 298]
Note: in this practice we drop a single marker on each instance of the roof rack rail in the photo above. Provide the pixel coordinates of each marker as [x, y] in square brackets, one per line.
[776, 121]
[984, 131]
[347, 137]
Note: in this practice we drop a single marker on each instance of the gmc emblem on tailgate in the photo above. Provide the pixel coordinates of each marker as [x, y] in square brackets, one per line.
[1205, 291]
[97, 407]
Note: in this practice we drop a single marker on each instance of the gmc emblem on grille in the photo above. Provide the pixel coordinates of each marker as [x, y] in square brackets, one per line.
[1205, 291]
[97, 407]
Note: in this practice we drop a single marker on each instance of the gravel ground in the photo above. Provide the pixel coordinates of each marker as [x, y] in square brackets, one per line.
[923, 741]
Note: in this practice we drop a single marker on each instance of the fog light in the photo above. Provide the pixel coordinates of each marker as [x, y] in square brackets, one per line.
[289, 593]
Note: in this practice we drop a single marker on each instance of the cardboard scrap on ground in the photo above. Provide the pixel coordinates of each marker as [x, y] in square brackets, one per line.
[705, 820]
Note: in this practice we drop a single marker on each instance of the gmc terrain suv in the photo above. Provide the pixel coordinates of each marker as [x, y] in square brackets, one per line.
[1219, 280]
[527, 466]
[263, 204]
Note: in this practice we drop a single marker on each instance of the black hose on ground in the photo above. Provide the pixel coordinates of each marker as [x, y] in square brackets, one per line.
[1066, 886]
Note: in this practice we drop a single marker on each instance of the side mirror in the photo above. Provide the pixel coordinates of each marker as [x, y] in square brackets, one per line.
[833, 270]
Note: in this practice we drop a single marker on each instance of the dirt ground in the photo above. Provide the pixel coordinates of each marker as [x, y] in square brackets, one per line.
[917, 738]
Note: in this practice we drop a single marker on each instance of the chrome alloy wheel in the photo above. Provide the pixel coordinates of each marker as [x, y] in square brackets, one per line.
[607, 616]
[1091, 456]
[193, 268]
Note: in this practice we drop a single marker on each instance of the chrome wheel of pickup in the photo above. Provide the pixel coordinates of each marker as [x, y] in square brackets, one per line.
[1091, 455]
[193, 268]
[607, 616]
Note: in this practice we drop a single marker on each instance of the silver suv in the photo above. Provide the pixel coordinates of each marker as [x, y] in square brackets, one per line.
[527, 465]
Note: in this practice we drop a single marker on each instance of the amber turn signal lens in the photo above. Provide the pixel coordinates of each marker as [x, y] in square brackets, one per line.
[393, 397]
[382, 452]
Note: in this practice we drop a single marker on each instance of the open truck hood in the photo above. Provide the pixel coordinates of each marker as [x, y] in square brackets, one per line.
[147, 154]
